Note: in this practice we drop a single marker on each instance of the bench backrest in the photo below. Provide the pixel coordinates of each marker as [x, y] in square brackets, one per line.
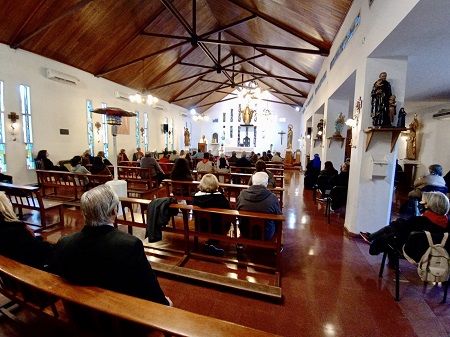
[114, 309]
[23, 196]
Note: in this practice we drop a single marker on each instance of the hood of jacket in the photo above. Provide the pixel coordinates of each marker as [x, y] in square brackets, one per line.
[256, 193]
[205, 199]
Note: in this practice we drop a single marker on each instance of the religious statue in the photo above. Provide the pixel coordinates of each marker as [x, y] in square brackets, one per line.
[320, 129]
[392, 108]
[411, 144]
[215, 138]
[289, 136]
[247, 115]
[381, 92]
[401, 118]
[339, 125]
[187, 137]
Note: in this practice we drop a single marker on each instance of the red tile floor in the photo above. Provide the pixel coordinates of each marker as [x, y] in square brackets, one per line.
[329, 282]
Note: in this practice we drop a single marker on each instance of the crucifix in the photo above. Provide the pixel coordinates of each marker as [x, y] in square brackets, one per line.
[281, 133]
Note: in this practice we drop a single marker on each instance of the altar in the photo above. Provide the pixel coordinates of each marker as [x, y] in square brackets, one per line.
[238, 150]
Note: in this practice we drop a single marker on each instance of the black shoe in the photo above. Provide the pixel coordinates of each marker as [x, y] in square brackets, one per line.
[365, 236]
[213, 250]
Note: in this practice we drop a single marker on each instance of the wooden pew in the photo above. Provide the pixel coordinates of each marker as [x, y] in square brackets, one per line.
[67, 186]
[28, 197]
[134, 215]
[185, 190]
[111, 313]
[139, 180]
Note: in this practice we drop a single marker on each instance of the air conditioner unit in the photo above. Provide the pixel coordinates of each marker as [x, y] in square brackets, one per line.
[61, 77]
[184, 114]
[442, 114]
[121, 95]
[158, 107]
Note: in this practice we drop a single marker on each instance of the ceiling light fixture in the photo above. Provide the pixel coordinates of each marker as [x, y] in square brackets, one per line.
[143, 97]
[251, 90]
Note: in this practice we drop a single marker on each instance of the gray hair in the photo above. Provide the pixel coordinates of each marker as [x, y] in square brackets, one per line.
[435, 170]
[437, 202]
[243, 154]
[98, 205]
[209, 183]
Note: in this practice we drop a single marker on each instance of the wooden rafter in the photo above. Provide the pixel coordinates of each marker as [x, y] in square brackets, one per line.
[123, 65]
[124, 45]
[173, 64]
[266, 53]
[17, 43]
[265, 46]
[24, 24]
[181, 80]
[288, 29]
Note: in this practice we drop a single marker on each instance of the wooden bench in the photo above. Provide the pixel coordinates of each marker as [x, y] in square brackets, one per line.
[134, 215]
[139, 180]
[185, 190]
[28, 197]
[110, 313]
[67, 185]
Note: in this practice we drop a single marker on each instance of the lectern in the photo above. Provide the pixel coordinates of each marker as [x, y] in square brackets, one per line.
[202, 147]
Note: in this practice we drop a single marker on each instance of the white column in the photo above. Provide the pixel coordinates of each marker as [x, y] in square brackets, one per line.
[369, 198]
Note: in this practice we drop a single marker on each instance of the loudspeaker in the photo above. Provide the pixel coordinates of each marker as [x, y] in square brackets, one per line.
[309, 130]
[165, 128]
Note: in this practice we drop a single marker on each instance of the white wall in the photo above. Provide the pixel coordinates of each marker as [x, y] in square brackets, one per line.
[56, 106]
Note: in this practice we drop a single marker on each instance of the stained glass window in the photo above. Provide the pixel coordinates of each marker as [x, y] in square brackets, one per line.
[90, 127]
[146, 131]
[26, 125]
[138, 132]
[105, 134]
[2, 132]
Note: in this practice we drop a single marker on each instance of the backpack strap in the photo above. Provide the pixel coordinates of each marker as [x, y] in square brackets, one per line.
[429, 238]
[444, 239]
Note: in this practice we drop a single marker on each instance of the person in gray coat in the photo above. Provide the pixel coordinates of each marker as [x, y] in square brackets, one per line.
[257, 198]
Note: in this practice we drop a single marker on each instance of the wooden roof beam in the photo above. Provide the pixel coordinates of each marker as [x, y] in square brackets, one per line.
[16, 43]
[123, 65]
[24, 24]
[272, 76]
[266, 53]
[291, 30]
[264, 46]
[122, 46]
[180, 80]
[173, 64]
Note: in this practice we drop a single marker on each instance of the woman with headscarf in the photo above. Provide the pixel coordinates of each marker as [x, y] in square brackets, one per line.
[312, 172]
[17, 241]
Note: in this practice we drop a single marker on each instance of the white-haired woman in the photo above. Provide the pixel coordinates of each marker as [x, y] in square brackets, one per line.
[434, 206]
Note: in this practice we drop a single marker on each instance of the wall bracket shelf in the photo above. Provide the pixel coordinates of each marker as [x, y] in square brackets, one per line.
[395, 133]
[337, 139]
[317, 140]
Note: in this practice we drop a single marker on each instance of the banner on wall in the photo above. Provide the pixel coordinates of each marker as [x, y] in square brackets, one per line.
[124, 129]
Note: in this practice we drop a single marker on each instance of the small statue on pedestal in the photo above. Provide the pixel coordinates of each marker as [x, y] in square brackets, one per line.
[401, 118]
[339, 125]
[320, 129]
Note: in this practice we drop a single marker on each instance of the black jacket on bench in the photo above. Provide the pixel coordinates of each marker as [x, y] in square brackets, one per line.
[108, 258]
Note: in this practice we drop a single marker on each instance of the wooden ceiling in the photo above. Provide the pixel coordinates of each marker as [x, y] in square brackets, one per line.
[190, 53]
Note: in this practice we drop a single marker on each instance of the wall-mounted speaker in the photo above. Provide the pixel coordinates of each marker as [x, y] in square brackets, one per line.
[309, 130]
[165, 128]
